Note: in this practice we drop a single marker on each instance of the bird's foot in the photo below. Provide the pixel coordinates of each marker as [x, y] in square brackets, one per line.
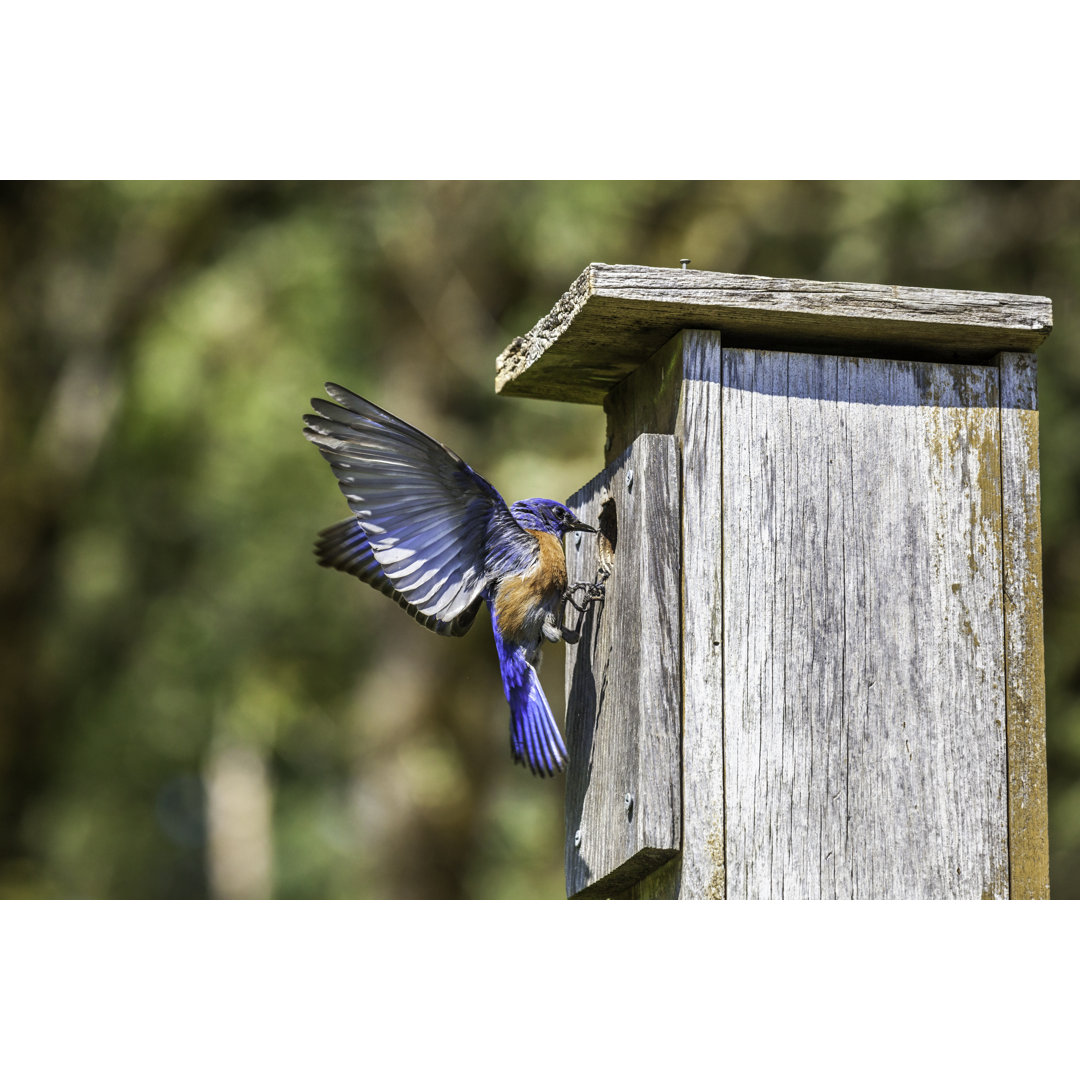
[593, 590]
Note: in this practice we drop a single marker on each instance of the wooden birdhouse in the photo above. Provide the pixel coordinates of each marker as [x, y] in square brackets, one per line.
[818, 667]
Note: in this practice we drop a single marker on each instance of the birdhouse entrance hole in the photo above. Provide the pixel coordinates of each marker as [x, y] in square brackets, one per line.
[608, 539]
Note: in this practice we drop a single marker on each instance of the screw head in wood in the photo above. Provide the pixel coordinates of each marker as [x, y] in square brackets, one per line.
[629, 479]
[577, 838]
[628, 802]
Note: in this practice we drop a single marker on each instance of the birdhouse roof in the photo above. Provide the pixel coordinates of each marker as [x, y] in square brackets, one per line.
[613, 318]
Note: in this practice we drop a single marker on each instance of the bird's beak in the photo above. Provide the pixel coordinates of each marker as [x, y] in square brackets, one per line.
[582, 527]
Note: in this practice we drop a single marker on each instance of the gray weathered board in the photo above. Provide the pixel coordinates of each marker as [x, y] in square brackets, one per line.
[613, 318]
[623, 791]
[864, 666]
[1025, 685]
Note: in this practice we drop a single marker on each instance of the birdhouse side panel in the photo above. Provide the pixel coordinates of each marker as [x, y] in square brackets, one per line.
[864, 689]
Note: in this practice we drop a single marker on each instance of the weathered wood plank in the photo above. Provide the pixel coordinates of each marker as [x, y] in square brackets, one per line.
[699, 429]
[1029, 856]
[623, 703]
[679, 391]
[613, 318]
[864, 698]
[664, 883]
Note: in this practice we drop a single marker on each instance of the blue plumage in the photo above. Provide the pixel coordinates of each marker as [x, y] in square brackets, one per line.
[435, 536]
[534, 736]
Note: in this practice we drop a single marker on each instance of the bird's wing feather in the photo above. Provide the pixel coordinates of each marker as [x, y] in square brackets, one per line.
[345, 547]
[438, 530]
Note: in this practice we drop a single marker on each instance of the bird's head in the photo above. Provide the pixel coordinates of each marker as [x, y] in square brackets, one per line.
[547, 515]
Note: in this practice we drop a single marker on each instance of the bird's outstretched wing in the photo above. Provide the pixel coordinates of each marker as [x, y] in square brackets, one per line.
[439, 531]
[345, 547]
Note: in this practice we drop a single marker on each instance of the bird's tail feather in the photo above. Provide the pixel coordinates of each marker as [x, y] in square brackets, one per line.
[534, 736]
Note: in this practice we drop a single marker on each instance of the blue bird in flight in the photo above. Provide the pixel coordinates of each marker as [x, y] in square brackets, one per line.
[434, 535]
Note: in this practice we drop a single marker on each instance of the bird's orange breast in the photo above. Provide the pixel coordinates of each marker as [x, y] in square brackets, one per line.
[524, 601]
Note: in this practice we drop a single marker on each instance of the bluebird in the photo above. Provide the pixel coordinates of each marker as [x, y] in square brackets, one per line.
[431, 533]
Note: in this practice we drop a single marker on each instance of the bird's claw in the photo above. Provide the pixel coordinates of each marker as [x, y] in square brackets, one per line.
[593, 590]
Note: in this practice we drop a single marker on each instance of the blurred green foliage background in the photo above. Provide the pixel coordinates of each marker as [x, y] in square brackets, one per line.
[189, 705]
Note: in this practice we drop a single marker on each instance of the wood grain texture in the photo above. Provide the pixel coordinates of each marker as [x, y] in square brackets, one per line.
[623, 698]
[864, 691]
[678, 392]
[613, 318]
[699, 431]
[1029, 856]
